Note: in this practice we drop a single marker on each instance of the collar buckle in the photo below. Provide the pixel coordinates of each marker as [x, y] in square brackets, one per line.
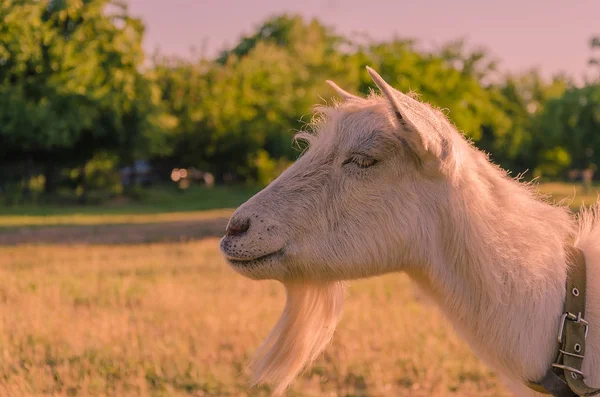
[571, 317]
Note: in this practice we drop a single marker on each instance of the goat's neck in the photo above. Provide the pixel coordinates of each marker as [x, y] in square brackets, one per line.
[500, 270]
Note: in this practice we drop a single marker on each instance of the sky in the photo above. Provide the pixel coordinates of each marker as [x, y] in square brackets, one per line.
[551, 35]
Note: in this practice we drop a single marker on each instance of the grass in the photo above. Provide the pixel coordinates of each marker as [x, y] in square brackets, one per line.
[571, 193]
[112, 219]
[167, 204]
[158, 204]
[174, 320]
[155, 200]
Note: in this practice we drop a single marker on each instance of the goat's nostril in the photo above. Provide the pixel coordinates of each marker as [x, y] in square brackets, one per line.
[236, 228]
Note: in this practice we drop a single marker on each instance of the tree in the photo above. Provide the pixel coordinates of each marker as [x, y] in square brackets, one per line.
[523, 98]
[594, 61]
[240, 113]
[570, 126]
[453, 79]
[74, 89]
[70, 82]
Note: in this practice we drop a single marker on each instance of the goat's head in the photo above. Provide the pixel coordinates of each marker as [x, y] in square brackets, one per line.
[360, 201]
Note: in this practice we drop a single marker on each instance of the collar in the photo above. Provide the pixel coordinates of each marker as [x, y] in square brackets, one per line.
[565, 378]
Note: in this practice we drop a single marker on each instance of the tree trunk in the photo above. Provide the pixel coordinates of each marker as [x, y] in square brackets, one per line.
[83, 197]
[49, 178]
[27, 177]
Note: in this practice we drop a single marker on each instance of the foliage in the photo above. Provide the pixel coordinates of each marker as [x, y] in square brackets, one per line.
[252, 99]
[570, 125]
[595, 57]
[75, 85]
[71, 84]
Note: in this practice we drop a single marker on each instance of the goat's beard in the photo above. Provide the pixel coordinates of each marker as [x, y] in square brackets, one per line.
[304, 329]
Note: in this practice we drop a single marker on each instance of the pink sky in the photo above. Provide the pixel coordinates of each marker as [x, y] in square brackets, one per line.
[552, 35]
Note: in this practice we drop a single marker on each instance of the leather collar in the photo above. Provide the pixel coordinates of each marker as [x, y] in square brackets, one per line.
[565, 378]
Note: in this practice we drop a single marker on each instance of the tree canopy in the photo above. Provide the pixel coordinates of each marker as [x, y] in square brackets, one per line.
[76, 86]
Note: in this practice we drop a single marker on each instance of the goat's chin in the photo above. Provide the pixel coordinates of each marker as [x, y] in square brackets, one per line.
[304, 329]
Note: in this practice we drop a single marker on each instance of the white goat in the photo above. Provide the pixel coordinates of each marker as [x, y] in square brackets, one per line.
[387, 185]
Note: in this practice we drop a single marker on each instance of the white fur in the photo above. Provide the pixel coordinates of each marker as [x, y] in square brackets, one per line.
[484, 246]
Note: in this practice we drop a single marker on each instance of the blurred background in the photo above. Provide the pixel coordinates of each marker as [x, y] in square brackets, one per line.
[129, 130]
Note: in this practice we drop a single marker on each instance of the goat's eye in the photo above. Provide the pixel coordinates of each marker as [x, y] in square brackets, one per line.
[360, 160]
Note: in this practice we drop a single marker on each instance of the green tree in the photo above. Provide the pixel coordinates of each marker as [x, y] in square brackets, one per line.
[71, 84]
[594, 60]
[570, 126]
[237, 115]
[75, 94]
[523, 98]
[452, 79]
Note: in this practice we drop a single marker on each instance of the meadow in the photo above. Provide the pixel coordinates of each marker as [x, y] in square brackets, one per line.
[103, 307]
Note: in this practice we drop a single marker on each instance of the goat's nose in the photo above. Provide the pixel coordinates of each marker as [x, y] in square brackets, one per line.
[237, 227]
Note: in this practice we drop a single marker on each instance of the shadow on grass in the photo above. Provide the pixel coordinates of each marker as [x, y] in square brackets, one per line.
[163, 214]
[155, 200]
[136, 233]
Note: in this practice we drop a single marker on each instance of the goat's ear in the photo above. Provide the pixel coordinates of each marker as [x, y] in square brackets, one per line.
[418, 121]
[340, 91]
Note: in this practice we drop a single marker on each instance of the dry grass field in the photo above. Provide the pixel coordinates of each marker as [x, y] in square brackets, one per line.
[111, 314]
[573, 195]
[173, 320]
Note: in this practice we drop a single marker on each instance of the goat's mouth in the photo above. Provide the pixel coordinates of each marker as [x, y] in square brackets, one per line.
[256, 262]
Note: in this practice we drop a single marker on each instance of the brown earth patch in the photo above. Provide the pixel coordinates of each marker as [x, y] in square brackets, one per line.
[114, 233]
